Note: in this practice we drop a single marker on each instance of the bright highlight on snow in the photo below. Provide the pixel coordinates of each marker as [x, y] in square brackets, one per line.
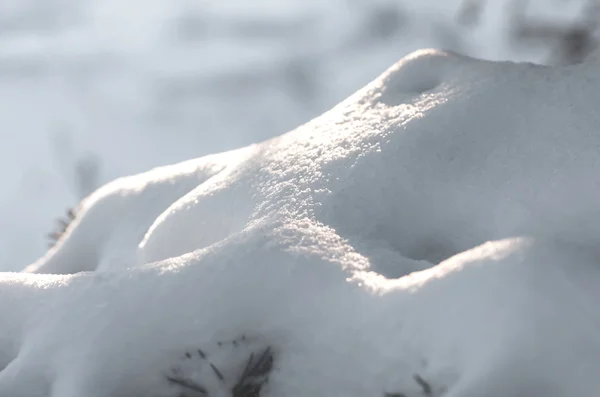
[433, 235]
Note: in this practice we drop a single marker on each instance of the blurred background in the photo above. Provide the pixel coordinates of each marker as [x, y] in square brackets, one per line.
[95, 89]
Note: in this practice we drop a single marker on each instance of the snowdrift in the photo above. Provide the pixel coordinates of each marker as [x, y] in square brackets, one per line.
[433, 235]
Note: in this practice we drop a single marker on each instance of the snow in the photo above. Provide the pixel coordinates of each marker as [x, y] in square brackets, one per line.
[432, 235]
[116, 88]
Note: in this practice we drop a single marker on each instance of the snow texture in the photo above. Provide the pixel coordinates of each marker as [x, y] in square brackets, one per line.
[432, 235]
[92, 90]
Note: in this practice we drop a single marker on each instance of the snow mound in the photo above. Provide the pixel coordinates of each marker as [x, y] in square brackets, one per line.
[432, 235]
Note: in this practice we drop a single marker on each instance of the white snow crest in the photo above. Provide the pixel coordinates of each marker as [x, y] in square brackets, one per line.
[433, 235]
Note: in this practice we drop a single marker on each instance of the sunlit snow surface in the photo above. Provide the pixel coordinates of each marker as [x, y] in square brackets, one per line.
[432, 235]
[96, 89]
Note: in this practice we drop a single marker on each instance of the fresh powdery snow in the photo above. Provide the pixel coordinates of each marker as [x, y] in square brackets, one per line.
[436, 234]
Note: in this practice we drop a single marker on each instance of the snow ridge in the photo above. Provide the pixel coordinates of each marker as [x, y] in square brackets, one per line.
[432, 235]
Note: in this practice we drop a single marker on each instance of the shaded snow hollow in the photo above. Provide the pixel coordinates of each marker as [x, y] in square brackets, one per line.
[433, 235]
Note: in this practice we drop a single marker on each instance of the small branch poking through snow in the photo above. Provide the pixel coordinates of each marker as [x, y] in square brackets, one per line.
[187, 384]
[424, 385]
[254, 376]
[249, 384]
[63, 224]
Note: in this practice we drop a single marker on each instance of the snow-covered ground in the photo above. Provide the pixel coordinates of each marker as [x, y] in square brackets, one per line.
[93, 90]
[435, 234]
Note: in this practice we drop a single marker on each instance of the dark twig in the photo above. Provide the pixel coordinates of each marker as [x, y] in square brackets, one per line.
[249, 384]
[188, 384]
[217, 372]
[63, 224]
[254, 375]
[425, 386]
